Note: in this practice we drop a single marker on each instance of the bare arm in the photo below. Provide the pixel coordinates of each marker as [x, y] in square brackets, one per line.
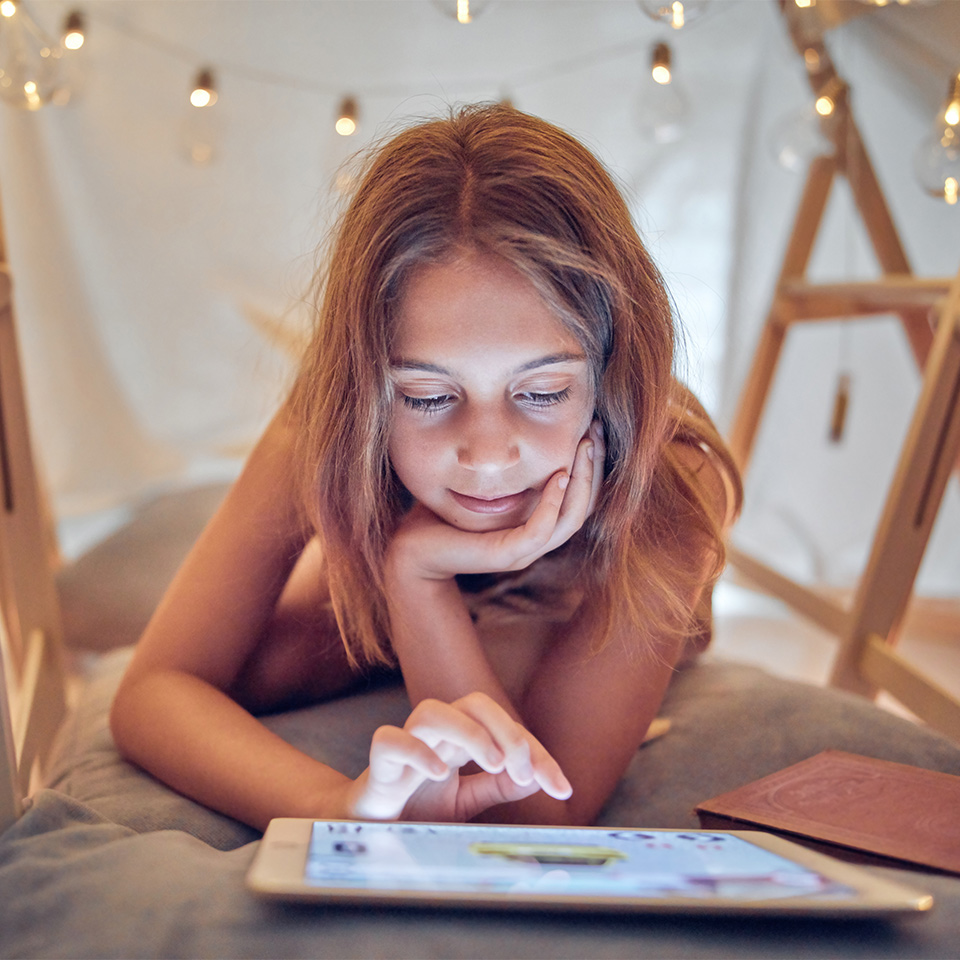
[171, 714]
[174, 714]
[590, 712]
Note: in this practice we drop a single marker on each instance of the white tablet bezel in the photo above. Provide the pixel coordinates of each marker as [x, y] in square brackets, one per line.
[278, 872]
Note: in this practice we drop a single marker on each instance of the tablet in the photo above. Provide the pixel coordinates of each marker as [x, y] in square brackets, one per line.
[564, 868]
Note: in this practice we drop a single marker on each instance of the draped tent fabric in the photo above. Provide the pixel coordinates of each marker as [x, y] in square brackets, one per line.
[159, 301]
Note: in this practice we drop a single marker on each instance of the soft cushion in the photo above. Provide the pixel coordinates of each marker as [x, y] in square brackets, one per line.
[730, 724]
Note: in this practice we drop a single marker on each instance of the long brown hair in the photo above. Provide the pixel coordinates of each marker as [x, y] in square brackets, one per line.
[492, 179]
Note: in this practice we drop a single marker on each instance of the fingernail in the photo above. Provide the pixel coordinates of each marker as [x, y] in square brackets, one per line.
[563, 481]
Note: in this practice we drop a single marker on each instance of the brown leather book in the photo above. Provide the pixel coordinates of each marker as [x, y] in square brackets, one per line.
[857, 803]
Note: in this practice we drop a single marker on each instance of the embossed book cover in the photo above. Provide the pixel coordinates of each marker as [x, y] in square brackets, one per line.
[888, 809]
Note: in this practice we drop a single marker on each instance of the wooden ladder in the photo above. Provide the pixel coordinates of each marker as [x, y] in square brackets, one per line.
[32, 676]
[929, 310]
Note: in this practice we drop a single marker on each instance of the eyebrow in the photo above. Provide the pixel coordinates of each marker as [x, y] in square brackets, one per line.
[551, 358]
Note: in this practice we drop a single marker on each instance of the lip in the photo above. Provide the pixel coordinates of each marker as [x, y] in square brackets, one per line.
[489, 505]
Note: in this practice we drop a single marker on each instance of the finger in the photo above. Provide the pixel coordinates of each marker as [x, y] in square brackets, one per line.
[542, 523]
[547, 773]
[526, 759]
[509, 735]
[394, 751]
[480, 791]
[442, 725]
[519, 547]
[598, 457]
[576, 501]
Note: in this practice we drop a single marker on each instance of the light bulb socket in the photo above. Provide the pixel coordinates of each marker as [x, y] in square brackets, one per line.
[953, 89]
[204, 90]
[661, 56]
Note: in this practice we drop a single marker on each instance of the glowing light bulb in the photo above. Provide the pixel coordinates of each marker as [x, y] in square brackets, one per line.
[677, 13]
[660, 65]
[952, 114]
[663, 107]
[463, 11]
[950, 190]
[204, 93]
[32, 97]
[824, 106]
[661, 74]
[811, 58]
[73, 35]
[8, 8]
[805, 4]
[346, 124]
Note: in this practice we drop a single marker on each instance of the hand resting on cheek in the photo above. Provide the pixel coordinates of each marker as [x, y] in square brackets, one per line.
[428, 547]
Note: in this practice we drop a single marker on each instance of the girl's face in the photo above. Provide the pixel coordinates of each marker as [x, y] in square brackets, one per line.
[492, 393]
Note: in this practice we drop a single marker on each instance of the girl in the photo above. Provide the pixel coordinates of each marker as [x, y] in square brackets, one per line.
[486, 476]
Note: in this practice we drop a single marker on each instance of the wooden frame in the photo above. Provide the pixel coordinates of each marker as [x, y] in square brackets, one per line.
[866, 661]
[32, 677]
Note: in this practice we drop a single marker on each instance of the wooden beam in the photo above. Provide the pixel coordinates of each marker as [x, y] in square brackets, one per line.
[927, 457]
[11, 796]
[890, 294]
[42, 705]
[803, 600]
[887, 670]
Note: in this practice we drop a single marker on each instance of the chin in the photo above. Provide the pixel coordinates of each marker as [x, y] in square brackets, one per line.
[473, 524]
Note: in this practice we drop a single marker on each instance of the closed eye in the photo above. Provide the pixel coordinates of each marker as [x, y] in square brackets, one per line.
[544, 399]
[427, 404]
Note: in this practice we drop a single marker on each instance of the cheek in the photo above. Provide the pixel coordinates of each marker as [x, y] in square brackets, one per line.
[412, 451]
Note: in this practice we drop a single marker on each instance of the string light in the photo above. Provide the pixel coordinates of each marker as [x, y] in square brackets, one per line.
[805, 4]
[73, 36]
[662, 107]
[660, 67]
[204, 93]
[29, 61]
[936, 161]
[346, 124]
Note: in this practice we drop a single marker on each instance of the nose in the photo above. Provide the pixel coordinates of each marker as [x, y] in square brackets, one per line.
[487, 444]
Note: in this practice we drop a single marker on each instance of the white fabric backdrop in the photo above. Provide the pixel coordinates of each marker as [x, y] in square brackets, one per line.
[146, 286]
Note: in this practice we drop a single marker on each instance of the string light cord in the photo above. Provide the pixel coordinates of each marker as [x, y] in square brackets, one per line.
[530, 77]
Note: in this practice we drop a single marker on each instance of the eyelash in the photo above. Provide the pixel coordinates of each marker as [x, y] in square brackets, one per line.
[431, 405]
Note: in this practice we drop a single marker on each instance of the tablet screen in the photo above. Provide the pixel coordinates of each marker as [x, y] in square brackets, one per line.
[555, 861]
